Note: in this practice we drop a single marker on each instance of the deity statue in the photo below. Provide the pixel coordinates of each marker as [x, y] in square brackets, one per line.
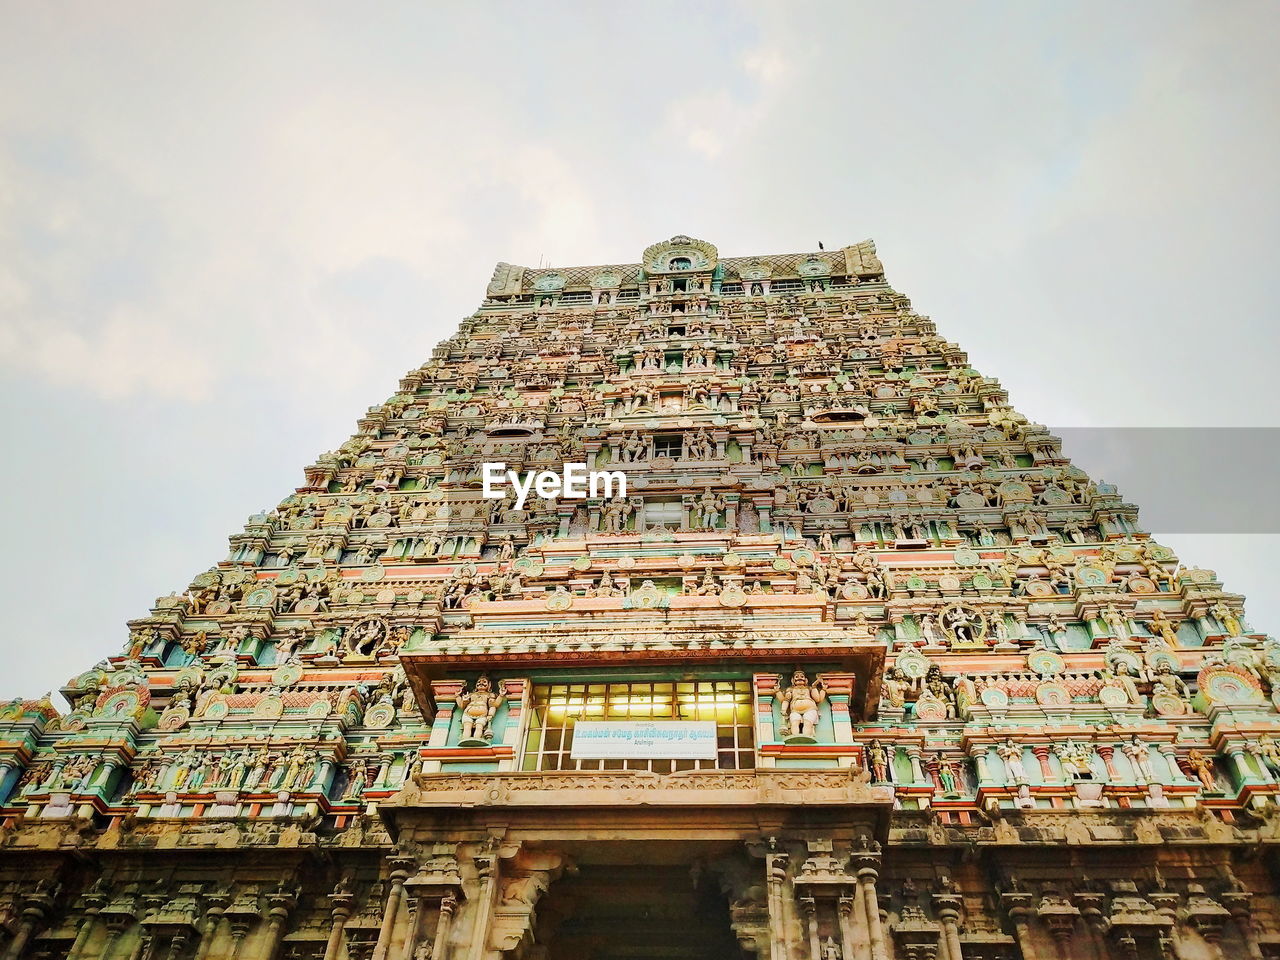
[357, 775]
[1116, 622]
[1167, 682]
[893, 688]
[878, 760]
[800, 705]
[1139, 755]
[937, 688]
[1075, 759]
[1161, 626]
[1011, 754]
[928, 632]
[708, 586]
[1225, 616]
[478, 709]
[1054, 631]
[1202, 770]
[948, 775]
[1121, 679]
[964, 624]
[1268, 755]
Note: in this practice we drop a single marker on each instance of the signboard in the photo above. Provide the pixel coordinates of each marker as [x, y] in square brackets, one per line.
[644, 740]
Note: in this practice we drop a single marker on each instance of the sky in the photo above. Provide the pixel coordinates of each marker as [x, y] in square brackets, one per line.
[228, 229]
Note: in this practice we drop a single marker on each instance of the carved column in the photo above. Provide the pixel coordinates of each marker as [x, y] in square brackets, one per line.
[487, 876]
[866, 863]
[946, 906]
[400, 869]
[35, 910]
[1090, 904]
[809, 907]
[1108, 758]
[214, 905]
[448, 906]
[279, 906]
[765, 686]
[1059, 915]
[840, 687]
[343, 904]
[1237, 902]
[1018, 904]
[1170, 754]
[93, 902]
[1041, 751]
[978, 753]
[776, 876]
[1240, 764]
[915, 754]
[848, 940]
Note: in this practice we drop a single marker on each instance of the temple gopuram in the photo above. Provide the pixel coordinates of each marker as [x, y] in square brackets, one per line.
[858, 667]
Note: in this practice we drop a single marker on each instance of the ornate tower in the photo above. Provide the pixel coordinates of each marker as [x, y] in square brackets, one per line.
[856, 667]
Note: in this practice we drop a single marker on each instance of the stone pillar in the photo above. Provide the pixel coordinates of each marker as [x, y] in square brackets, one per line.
[1018, 904]
[1170, 754]
[216, 903]
[417, 905]
[866, 863]
[765, 510]
[343, 903]
[400, 869]
[849, 942]
[731, 511]
[518, 693]
[36, 908]
[1108, 758]
[915, 755]
[278, 909]
[1041, 751]
[1240, 764]
[775, 878]
[93, 902]
[320, 780]
[448, 905]
[765, 686]
[1090, 904]
[978, 752]
[809, 907]
[487, 874]
[1237, 902]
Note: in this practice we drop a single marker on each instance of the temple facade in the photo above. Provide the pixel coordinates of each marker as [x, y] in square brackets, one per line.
[856, 666]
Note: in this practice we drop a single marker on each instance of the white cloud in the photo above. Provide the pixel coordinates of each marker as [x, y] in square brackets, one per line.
[225, 230]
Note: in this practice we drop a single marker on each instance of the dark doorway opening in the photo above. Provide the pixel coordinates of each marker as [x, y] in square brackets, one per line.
[638, 912]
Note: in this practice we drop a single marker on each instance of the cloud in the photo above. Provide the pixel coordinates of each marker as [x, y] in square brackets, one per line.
[226, 230]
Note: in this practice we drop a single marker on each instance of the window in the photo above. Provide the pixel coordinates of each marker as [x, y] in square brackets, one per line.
[557, 706]
[681, 263]
[666, 514]
[668, 445]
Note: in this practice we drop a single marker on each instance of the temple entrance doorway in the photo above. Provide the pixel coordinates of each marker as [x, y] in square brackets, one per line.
[653, 901]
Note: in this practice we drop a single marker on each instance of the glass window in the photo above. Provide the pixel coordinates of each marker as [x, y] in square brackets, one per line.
[556, 707]
[668, 445]
[663, 513]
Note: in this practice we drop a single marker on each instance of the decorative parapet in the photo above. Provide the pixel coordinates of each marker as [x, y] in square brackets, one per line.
[808, 788]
